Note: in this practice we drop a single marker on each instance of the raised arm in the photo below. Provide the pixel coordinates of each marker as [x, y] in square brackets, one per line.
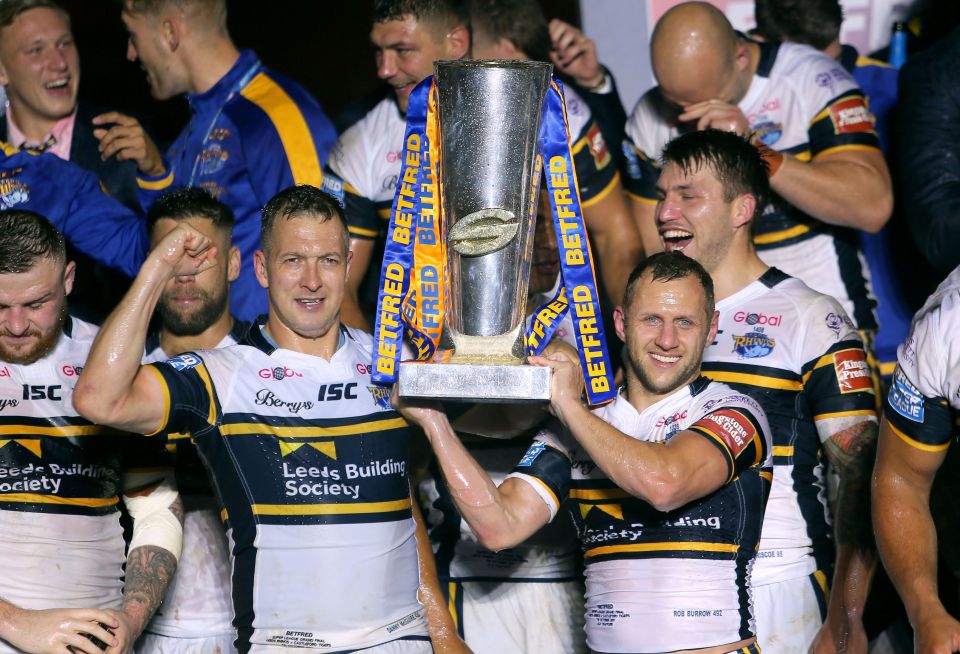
[113, 389]
[501, 516]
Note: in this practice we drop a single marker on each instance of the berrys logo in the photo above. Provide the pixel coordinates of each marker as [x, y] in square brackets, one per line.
[752, 318]
[279, 373]
[853, 372]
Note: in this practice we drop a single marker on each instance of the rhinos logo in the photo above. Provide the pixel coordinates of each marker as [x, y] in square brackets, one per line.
[381, 396]
[12, 193]
[753, 345]
[768, 132]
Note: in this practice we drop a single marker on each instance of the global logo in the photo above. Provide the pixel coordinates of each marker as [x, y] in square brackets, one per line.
[758, 318]
[279, 373]
[753, 345]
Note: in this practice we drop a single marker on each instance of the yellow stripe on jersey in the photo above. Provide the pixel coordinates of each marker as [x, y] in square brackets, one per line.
[602, 194]
[177, 436]
[823, 583]
[290, 125]
[350, 188]
[639, 198]
[65, 430]
[917, 444]
[247, 428]
[331, 509]
[156, 184]
[887, 368]
[781, 235]
[384, 213]
[224, 516]
[9, 149]
[803, 156]
[32, 498]
[847, 147]
[452, 587]
[208, 386]
[754, 380]
[767, 474]
[598, 493]
[661, 547]
[783, 450]
[845, 414]
[360, 231]
[541, 484]
[166, 401]
[826, 360]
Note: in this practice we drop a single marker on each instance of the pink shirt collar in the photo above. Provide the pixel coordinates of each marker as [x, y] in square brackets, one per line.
[62, 131]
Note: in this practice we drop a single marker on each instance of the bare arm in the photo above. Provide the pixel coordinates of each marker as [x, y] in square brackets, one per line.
[850, 188]
[350, 313]
[443, 630]
[907, 539]
[850, 445]
[614, 239]
[115, 390]
[501, 516]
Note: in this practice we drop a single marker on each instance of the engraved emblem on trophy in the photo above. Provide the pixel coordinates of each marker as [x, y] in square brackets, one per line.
[485, 147]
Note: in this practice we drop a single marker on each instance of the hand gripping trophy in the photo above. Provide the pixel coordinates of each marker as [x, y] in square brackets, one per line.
[479, 137]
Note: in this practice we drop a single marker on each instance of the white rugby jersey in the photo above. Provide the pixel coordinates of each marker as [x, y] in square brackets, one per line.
[797, 353]
[656, 581]
[550, 554]
[924, 397]
[804, 103]
[197, 603]
[60, 480]
[311, 468]
[368, 156]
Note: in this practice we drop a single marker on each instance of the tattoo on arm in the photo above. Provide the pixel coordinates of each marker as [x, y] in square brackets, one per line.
[852, 451]
[149, 571]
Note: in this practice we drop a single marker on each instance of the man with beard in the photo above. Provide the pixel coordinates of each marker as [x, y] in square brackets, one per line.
[667, 483]
[193, 314]
[797, 353]
[64, 587]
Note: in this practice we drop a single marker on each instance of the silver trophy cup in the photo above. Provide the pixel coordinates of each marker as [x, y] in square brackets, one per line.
[489, 115]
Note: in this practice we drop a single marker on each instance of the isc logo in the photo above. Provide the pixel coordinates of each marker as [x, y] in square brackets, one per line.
[333, 392]
[33, 392]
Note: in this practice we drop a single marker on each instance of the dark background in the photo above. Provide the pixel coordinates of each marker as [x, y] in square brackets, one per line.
[322, 44]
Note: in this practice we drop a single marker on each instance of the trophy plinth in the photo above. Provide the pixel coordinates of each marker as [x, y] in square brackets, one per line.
[478, 382]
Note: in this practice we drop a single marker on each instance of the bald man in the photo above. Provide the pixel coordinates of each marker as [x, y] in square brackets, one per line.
[827, 172]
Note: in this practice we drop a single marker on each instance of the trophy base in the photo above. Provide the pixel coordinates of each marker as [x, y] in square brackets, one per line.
[474, 382]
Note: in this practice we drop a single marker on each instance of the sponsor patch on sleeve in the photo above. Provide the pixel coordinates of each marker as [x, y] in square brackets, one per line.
[850, 116]
[333, 186]
[852, 370]
[535, 449]
[183, 362]
[730, 426]
[905, 398]
[598, 147]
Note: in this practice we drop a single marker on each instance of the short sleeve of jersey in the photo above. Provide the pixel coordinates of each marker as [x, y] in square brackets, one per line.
[546, 467]
[739, 430]
[837, 379]
[349, 161]
[918, 405]
[191, 402]
[592, 158]
[647, 131]
[839, 117]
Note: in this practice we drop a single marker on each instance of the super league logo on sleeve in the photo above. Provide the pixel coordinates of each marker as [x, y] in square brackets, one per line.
[184, 362]
[905, 398]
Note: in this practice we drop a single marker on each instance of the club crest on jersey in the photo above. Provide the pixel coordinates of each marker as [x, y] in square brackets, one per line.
[768, 132]
[184, 362]
[13, 192]
[381, 396]
[836, 321]
[753, 345]
[212, 159]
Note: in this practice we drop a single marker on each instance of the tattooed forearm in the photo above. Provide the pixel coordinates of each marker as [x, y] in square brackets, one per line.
[149, 571]
[852, 451]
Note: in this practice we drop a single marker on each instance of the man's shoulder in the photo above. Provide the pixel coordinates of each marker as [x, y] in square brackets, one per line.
[810, 70]
[652, 122]
[276, 99]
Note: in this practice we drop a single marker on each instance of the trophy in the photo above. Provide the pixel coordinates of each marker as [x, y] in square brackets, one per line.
[467, 196]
